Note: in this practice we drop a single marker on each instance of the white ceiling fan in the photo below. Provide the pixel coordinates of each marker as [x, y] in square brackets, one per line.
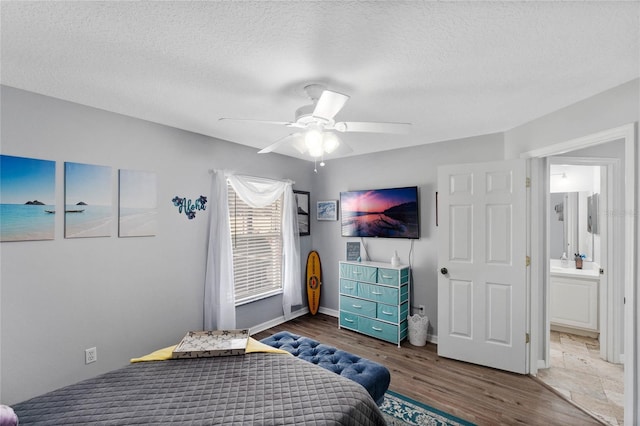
[317, 124]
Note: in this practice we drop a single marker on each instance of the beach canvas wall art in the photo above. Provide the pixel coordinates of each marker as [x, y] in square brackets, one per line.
[27, 195]
[138, 204]
[88, 203]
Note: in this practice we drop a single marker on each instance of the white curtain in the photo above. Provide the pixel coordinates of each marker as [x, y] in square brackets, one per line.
[219, 296]
[256, 192]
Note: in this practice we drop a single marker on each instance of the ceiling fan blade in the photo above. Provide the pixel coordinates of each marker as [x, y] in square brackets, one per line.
[276, 144]
[372, 127]
[344, 148]
[282, 123]
[329, 104]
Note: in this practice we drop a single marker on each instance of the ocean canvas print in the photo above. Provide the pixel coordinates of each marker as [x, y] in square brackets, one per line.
[138, 204]
[88, 200]
[27, 198]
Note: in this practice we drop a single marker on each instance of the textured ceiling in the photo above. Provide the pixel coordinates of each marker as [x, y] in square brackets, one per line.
[453, 69]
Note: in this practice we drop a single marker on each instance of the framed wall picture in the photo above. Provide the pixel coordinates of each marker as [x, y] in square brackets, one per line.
[138, 207]
[327, 210]
[87, 200]
[303, 206]
[27, 199]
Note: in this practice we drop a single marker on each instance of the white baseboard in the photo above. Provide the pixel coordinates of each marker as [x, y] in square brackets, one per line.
[331, 312]
[276, 321]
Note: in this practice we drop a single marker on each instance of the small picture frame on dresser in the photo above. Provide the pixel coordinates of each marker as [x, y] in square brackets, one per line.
[353, 251]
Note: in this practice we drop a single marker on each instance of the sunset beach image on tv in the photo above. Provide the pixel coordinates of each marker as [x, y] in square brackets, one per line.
[27, 198]
[387, 213]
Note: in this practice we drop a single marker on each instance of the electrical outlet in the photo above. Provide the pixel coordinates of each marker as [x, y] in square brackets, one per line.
[90, 355]
[421, 309]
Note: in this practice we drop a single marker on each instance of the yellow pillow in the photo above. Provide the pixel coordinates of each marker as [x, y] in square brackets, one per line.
[253, 346]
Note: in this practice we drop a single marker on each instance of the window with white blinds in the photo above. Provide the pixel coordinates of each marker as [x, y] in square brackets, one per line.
[256, 237]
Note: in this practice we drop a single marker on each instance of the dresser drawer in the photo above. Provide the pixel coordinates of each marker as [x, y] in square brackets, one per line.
[358, 306]
[348, 320]
[388, 276]
[379, 329]
[378, 293]
[358, 272]
[387, 312]
[348, 287]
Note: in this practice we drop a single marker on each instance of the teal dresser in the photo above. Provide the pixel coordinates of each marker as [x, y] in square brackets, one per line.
[374, 299]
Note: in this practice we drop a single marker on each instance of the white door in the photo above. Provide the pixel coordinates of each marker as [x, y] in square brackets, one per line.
[482, 260]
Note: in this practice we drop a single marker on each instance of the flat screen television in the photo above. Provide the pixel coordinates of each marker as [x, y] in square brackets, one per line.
[385, 213]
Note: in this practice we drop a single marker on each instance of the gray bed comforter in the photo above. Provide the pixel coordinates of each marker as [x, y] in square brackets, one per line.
[252, 389]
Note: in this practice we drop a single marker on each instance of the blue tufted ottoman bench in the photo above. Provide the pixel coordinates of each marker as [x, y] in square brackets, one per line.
[373, 376]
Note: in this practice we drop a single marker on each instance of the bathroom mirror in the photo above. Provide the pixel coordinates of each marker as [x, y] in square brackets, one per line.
[573, 223]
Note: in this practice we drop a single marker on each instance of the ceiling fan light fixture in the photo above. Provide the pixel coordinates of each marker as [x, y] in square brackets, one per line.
[330, 142]
[313, 141]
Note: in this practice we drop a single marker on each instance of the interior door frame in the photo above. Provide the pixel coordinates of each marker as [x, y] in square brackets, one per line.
[631, 259]
[609, 292]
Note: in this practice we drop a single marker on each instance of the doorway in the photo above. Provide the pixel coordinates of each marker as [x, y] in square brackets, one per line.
[626, 236]
[585, 315]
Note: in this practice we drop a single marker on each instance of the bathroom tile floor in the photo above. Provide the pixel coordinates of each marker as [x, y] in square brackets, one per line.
[578, 373]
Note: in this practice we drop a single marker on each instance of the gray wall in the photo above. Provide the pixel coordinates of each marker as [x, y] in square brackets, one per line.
[397, 168]
[615, 107]
[126, 296]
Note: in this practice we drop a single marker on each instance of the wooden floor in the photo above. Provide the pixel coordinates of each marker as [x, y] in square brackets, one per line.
[478, 394]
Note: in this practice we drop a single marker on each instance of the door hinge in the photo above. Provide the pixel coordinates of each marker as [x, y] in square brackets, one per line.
[527, 261]
[601, 271]
[527, 339]
[528, 183]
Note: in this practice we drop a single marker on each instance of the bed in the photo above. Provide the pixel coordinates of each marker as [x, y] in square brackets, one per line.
[256, 388]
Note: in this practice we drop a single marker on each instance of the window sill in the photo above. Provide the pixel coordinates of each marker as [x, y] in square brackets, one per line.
[258, 297]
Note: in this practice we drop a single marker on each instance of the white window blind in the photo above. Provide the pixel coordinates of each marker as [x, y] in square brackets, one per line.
[256, 238]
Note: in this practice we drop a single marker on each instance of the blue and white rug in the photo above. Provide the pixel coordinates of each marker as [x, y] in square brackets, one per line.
[400, 410]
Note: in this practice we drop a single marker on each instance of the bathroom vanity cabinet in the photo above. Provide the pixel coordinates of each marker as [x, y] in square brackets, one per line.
[574, 300]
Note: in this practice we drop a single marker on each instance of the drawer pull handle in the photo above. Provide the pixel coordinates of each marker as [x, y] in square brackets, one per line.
[376, 328]
[387, 277]
[348, 320]
[387, 313]
[348, 288]
[376, 293]
[357, 273]
[357, 306]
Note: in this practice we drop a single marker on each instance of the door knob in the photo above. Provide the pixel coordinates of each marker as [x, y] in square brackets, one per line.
[444, 271]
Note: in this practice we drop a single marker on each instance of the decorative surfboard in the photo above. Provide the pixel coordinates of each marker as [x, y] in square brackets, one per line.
[314, 281]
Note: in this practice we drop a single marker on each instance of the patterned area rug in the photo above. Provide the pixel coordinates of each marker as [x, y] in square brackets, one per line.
[400, 410]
